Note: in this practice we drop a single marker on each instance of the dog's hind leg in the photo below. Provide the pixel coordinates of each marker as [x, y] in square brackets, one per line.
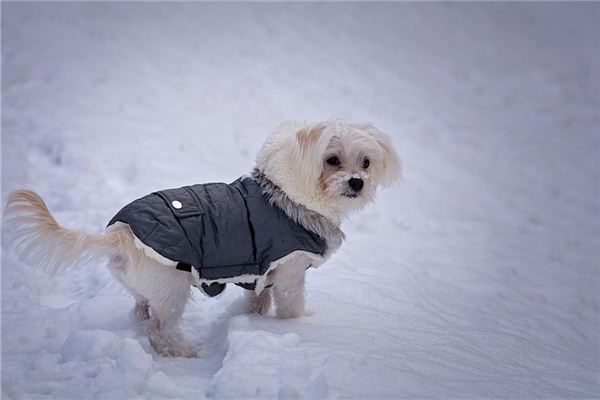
[165, 337]
[167, 299]
[118, 266]
[161, 292]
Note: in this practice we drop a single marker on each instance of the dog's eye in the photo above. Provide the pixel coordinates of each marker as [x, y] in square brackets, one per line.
[366, 163]
[333, 161]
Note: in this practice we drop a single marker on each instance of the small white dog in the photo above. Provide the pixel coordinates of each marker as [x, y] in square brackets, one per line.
[261, 232]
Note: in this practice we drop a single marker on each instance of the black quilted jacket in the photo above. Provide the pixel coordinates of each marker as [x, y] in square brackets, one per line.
[222, 230]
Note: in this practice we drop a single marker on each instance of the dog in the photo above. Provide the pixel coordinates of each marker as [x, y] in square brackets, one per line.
[261, 232]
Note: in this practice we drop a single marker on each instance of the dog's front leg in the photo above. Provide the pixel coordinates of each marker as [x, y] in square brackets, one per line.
[261, 303]
[288, 288]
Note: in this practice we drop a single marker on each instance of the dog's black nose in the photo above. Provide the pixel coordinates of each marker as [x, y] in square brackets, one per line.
[356, 184]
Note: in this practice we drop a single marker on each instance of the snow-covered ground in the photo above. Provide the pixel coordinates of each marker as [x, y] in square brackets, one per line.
[477, 277]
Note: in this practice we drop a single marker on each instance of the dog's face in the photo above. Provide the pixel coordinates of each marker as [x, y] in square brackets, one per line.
[332, 168]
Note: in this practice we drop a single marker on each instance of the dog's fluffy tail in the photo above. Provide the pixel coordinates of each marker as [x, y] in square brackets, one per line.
[40, 240]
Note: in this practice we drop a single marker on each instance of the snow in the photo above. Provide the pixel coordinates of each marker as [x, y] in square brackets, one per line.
[476, 277]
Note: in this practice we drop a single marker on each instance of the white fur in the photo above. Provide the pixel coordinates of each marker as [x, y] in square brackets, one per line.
[293, 157]
[296, 169]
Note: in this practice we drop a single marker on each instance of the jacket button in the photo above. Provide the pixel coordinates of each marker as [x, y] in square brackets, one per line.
[176, 204]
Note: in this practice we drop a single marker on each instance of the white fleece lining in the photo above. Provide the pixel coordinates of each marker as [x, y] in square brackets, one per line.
[315, 261]
[150, 252]
[261, 280]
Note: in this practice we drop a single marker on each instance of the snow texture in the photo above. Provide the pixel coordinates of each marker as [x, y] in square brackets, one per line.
[476, 277]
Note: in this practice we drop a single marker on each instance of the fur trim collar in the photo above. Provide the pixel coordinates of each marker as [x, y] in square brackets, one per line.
[309, 219]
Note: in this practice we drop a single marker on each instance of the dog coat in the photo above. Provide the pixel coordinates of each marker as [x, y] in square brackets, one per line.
[226, 232]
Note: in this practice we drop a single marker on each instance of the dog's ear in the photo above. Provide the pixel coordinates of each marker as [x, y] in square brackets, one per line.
[308, 137]
[392, 169]
[310, 143]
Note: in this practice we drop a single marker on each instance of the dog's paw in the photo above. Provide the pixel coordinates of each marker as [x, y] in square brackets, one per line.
[258, 308]
[260, 304]
[309, 312]
[264, 310]
[181, 350]
[285, 313]
[186, 351]
[173, 346]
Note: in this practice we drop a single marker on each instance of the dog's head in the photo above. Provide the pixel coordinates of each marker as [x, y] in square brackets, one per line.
[330, 167]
